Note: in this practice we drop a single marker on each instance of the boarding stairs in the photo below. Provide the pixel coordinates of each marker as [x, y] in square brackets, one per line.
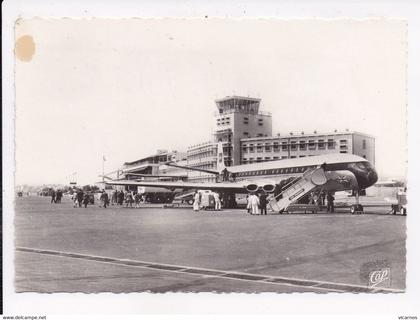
[298, 188]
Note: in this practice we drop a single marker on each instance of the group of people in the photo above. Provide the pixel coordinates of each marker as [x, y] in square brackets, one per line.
[319, 199]
[127, 197]
[56, 196]
[198, 203]
[80, 198]
[257, 203]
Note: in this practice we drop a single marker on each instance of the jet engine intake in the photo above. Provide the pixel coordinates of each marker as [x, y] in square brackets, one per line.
[267, 186]
[252, 187]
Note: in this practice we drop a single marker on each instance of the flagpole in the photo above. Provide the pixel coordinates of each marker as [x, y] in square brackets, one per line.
[103, 169]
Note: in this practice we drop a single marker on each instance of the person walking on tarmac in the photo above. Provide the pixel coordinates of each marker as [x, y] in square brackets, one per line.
[217, 202]
[129, 199]
[137, 198]
[120, 197]
[114, 197]
[53, 195]
[79, 197]
[85, 200]
[254, 201]
[263, 203]
[330, 202]
[196, 204]
[58, 196]
[323, 196]
[104, 198]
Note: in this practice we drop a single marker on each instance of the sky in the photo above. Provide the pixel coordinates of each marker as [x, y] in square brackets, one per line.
[123, 88]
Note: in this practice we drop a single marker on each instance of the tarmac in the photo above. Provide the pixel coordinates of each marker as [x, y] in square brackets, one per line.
[64, 249]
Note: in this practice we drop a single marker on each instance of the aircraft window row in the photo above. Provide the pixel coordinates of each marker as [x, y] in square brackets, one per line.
[274, 171]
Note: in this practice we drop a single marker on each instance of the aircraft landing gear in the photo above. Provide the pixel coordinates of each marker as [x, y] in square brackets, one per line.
[357, 208]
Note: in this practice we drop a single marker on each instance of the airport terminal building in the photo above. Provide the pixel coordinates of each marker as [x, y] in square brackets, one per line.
[247, 137]
[246, 133]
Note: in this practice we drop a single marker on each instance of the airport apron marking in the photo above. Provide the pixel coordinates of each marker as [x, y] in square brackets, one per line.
[259, 278]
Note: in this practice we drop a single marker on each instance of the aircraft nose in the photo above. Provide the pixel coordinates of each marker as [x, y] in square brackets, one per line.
[372, 176]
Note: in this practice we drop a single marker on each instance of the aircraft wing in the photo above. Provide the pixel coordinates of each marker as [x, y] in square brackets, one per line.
[237, 187]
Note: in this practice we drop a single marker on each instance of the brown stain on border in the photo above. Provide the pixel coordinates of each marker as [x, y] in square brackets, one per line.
[25, 48]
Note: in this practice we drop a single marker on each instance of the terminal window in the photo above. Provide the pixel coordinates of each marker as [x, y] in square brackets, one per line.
[321, 144]
[293, 146]
[267, 148]
[302, 145]
[284, 146]
[330, 143]
[311, 144]
[364, 144]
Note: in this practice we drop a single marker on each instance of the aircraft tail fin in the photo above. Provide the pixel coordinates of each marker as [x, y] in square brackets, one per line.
[220, 158]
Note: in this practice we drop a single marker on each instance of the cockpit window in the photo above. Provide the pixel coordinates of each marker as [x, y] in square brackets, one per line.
[361, 165]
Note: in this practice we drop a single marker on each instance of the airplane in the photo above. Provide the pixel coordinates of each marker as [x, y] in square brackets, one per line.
[288, 179]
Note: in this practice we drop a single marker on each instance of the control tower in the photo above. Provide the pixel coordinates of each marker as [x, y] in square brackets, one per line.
[237, 118]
